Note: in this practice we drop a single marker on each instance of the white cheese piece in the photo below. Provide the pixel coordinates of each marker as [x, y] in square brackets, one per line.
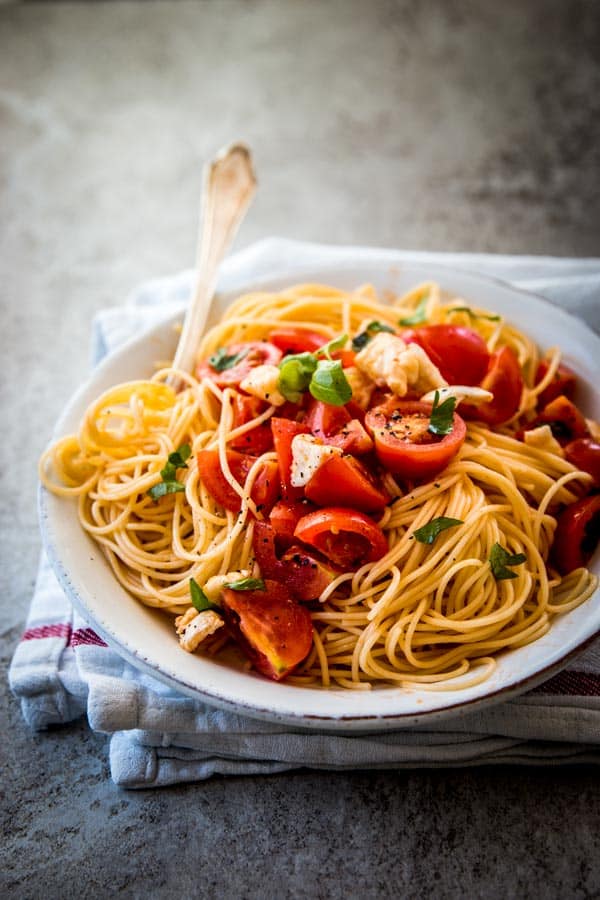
[542, 439]
[193, 627]
[460, 392]
[307, 456]
[215, 585]
[403, 367]
[262, 382]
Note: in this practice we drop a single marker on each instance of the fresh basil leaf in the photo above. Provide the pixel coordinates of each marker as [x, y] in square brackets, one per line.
[248, 584]
[419, 315]
[329, 383]
[442, 414]
[473, 315]
[221, 360]
[362, 339]
[295, 373]
[331, 346]
[176, 460]
[199, 599]
[428, 533]
[165, 487]
[501, 558]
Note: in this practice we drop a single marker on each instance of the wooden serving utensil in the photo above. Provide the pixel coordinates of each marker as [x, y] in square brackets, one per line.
[229, 185]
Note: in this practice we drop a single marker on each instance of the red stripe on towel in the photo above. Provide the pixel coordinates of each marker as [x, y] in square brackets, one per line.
[46, 631]
[86, 636]
[572, 684]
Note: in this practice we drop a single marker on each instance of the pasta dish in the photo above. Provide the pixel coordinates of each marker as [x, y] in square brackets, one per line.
[357, 491]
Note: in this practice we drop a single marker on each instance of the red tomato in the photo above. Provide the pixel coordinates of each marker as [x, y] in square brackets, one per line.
[272, 629]
[324, 419]
[266, 488]
[284, 517]
[403, 443]
[564, 382]
[346, 356]
[344, 481]
[304, 575]
[352, 439]
[256, 353]
[585, 454]
[566, 422]
[345, 536]
[284, 431]
[577, 533]
[291, 339]
[259, 439]
[459, 353]
[505, 382]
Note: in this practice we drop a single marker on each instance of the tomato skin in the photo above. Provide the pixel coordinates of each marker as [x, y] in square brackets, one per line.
[564, 382]
[324, 419]
[347, 537]
[566, 422]
[259, 439]
[347, 357]
[284, 517]
[577, 533]
[352, 438]
[290, 339]
[585, 454]
[284, 432]
[258, 353]
[344, 481]
[266, 488]
[459, 353]
[412, 459]
[504, 380]
[272, 629]
[304, 575]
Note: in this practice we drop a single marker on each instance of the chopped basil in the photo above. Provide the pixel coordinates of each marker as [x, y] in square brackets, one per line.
[248, 584]
[295, 373]
[221, 360]
[428, 533]
[329, 383]
[419, 315]
[473, 315]
[442, 414]
[501, 558]
[331, 346]
[169, 484]
[362, 339]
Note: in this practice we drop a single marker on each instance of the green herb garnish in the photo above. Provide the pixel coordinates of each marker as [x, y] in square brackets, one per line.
[221, 360]
[428, 533]
[169, 484]
[442, 414]
[501, 558]
[324, 378]
[248, 584]
[295, 373]
[473, 315]
[419, 315]
[329, 383]
[199, 599]
[331, 346]
[362, 339]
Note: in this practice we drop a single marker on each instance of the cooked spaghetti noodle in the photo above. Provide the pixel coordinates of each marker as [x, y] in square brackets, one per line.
[423, 614]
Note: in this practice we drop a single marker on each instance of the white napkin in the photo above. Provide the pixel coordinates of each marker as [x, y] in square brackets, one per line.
[61, 669]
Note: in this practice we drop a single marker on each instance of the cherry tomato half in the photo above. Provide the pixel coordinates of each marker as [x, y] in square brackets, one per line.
[266, 488]
[272, 629]
[564, 382]
[304, 575]
[566, 422]
[258, 440]
[344, 481]
[403, 443]
[505, 382]
[253, 353]
[345, 536]
[284, 432]
[585, 454]
[459, 352]
[577, 533]
[291, 339]
[284, 517]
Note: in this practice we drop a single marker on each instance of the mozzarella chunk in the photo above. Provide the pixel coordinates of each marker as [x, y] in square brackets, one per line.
[362, 386]
[193, 627]
[460, 392]
[262, 382]
[307, 456]
[403, 367]
[542, 439]
[215, 585]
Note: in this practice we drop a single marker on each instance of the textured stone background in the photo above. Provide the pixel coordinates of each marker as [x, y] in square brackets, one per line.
[440, 125]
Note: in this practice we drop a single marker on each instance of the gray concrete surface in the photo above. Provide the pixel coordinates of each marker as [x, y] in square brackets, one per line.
[444, 125]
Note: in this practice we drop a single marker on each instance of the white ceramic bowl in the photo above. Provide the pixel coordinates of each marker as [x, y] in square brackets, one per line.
[147, 639]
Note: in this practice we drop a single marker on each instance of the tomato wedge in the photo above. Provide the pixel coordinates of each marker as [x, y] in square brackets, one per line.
[565, 421]
[284, 517]
[324, 419]
[284, 432]
[258, 440]
[577, 534]
[290, 339]
[344, 481]
[249, 354]
[266, 488]
[305, 575]
[585, 454]
[504, 380]
[352, 438]
[345, 536]
[272, 629]
[564, 382]
[403, 443]
[459, 353]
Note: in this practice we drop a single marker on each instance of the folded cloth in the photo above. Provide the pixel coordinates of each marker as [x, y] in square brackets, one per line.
[61, 669]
